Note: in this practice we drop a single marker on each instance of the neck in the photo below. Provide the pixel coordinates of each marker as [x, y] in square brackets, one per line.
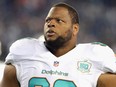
[62, 51]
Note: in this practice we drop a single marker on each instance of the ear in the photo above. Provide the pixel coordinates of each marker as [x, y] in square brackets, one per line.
[75, 29]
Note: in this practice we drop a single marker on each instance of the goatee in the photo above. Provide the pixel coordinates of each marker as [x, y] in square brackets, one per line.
[55, 44]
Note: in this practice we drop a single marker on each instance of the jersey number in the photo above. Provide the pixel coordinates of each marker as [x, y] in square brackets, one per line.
[43, 82]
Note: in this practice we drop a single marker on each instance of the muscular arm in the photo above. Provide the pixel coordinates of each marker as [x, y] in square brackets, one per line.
[9, 77]
[107, 80]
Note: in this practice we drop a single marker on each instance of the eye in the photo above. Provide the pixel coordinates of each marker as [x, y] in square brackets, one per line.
[47, 20]
[59, 20]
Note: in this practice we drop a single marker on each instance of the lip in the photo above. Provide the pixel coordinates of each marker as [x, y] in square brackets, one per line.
[50, 33]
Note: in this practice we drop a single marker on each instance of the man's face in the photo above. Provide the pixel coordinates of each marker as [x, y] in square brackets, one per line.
[58, 26]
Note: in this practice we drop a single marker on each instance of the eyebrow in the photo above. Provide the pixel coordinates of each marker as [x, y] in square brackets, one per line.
[54, 18]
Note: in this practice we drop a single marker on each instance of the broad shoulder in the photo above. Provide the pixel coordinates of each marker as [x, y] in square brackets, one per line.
[97, 48]
[24, 46]
[25, 49]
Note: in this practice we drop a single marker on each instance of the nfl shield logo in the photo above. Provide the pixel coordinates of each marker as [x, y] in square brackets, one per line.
[56, 63]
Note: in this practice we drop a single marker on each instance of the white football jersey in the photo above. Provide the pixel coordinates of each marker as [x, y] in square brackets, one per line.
[80, 67]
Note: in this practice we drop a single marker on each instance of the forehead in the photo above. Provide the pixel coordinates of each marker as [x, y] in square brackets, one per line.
[58, 12]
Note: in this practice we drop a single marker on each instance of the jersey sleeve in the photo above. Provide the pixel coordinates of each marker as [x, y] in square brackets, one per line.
[20, 49]
[107, 56]
[20, 53]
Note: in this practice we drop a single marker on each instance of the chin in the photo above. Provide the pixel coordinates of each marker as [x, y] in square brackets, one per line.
[50, 39]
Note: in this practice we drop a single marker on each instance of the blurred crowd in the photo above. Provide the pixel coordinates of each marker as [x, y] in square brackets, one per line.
[25, 18]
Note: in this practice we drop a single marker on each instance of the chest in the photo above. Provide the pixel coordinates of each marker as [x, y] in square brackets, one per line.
[69, 70]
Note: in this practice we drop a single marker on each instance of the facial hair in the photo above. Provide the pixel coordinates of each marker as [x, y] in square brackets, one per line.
[58, 43]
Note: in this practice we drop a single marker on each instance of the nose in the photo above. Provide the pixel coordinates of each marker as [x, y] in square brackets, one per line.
[51, 23]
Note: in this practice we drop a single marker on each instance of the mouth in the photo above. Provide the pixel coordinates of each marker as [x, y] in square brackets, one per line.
[50, 33]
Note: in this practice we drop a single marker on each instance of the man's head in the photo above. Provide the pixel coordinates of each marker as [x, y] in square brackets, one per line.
[72, 12]
[61, 26]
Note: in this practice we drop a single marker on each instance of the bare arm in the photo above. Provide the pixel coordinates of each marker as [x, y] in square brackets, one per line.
[9, 77]
[107, 80]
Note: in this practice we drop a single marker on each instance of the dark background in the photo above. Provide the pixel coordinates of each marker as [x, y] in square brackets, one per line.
[25, 18]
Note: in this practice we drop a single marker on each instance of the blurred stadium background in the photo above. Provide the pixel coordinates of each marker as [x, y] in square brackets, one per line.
[25, 18]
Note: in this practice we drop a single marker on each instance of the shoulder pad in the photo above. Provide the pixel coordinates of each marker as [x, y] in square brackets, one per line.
[102, 49]
[23, 46]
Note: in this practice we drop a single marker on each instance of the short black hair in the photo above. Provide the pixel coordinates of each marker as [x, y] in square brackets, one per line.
[72, 11]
